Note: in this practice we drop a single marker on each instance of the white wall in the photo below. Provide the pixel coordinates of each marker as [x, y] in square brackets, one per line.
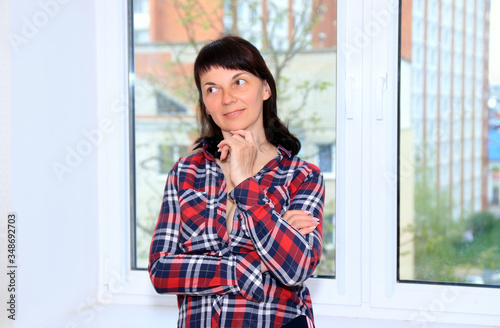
[53, 103]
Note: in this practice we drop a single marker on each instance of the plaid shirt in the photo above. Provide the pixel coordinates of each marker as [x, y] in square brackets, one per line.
[217, 276]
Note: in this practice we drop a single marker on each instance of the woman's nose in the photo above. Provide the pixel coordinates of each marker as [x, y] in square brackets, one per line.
[227, 97]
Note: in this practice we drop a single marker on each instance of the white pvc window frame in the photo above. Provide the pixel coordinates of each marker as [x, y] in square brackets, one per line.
[366, 157]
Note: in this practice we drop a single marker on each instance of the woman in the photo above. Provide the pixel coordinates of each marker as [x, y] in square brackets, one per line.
[240, 225]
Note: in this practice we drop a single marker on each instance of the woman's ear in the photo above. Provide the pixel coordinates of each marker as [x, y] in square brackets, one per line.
[267, 91]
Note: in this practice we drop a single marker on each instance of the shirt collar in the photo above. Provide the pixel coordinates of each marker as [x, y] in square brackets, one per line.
[204, 149]
[283, 152]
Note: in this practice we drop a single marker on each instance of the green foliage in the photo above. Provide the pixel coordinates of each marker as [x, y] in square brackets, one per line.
[480, 222]
[441, 253]
[489, 258]
[292, 115]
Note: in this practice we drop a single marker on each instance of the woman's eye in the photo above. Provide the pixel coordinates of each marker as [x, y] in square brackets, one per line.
[240, 82]
[211, 90]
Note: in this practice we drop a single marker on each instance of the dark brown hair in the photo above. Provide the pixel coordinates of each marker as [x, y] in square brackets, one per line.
[233, 52]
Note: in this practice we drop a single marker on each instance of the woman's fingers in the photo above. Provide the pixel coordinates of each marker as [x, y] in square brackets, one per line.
[306, 231]
[243, 152]
[301, 220]
[240, 141]
[290, 213]
[224, 151]
[247, 135]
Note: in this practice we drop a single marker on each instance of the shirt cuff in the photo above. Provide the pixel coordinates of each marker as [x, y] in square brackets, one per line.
[252, 199]
[229, 281]
[248, 193]
[249, 276]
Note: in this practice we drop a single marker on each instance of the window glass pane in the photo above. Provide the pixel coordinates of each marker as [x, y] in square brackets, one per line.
[326, 158]
[449, 213]
[298, 40]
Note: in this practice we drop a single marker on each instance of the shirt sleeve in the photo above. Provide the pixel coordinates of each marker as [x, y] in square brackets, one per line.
[290, 256]
[172, 271]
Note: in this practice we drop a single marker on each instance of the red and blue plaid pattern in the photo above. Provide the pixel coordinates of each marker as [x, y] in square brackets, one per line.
[217, 276]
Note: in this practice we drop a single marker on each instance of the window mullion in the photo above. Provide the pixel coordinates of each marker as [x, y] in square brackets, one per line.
[380, 110]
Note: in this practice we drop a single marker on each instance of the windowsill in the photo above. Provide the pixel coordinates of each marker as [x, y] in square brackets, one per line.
[126, 315]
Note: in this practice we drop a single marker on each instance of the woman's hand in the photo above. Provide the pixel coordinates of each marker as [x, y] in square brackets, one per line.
[243, 150]
[301, 220]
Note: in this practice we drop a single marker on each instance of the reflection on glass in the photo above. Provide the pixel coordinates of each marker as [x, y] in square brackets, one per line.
[449, 145]
[298, 40]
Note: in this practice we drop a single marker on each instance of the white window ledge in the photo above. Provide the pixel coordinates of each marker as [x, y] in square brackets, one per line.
[126, 315]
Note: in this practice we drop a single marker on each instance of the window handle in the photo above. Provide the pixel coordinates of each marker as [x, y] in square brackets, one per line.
[381, 87]
[350, 86]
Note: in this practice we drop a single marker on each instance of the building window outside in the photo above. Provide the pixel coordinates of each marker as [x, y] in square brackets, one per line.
[166, 97]
[326, 158]
[141, 21]
[451, 234]
[168, 106]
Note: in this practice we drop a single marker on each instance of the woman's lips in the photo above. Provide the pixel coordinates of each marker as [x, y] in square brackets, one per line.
[234, 113]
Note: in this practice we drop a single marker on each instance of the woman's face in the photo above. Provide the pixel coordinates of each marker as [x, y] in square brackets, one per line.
[234, 99]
